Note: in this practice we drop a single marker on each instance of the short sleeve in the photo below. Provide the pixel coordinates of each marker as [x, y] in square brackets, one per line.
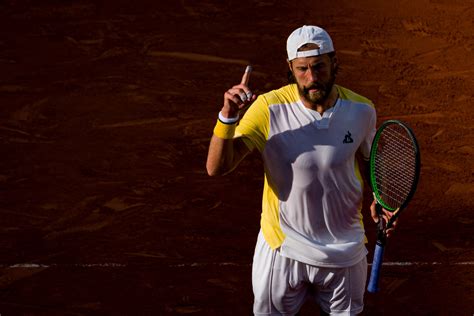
[253, 128]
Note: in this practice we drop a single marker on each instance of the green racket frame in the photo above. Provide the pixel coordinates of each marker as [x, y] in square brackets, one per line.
[373, 153]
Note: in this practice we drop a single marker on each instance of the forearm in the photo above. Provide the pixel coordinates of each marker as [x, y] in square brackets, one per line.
[220, 158]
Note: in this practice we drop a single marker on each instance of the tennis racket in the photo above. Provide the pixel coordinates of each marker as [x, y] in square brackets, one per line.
[394, 170]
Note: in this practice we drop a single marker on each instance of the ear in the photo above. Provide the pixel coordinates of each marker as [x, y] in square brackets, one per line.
[335, 61]
[290, 65]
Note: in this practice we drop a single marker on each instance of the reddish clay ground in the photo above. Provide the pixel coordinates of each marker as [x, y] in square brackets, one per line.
[106, 111]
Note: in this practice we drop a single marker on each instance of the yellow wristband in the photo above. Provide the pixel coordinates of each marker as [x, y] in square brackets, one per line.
[224, 131]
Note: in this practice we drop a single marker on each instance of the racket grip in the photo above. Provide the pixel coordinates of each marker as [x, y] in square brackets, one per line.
[373, 286]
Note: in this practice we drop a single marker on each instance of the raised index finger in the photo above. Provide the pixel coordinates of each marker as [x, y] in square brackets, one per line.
[246, 76]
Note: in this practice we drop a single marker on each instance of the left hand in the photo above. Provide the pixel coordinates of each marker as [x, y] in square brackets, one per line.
[386, 215]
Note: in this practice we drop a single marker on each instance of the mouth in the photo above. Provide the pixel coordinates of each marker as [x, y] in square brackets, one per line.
[313, 89]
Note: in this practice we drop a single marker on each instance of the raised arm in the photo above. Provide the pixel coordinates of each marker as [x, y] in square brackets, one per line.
[225, 152]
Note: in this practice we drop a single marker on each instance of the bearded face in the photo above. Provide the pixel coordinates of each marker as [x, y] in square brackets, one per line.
[317, 92]
[315, 77]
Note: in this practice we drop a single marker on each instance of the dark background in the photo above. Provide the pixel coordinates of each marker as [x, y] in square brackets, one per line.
[106, 111]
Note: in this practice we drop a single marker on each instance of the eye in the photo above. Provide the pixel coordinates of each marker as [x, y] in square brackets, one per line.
[319, 67]
[301, 69]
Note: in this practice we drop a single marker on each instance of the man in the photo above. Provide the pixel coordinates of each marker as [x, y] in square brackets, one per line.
[311, 242]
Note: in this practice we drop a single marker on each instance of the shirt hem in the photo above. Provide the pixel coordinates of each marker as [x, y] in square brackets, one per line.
[298, 251]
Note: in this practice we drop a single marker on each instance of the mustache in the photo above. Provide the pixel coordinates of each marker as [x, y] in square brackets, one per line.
[318, 86]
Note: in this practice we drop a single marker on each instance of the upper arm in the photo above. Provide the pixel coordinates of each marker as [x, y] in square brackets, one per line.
[240, 151]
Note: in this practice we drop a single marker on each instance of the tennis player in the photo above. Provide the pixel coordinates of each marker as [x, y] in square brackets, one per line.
[310, 134]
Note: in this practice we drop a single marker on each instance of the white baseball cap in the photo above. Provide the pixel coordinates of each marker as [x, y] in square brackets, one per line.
[308, 34]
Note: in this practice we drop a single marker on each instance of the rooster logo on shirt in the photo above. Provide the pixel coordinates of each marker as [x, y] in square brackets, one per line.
[348, 139]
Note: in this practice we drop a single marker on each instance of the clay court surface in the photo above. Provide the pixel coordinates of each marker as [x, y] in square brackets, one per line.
[107, 108]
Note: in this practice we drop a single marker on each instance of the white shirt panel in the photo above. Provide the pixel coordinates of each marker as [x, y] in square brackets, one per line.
[311, 164]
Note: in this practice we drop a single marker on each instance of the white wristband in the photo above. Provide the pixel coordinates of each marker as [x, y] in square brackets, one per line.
[228, 120]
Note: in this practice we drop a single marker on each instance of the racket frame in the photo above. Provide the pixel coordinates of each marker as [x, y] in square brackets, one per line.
[373, 286]
[373, 185]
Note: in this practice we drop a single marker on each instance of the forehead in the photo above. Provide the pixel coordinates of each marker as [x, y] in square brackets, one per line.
[311, 60]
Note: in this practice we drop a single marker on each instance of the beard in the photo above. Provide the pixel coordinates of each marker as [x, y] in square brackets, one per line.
[322, 93]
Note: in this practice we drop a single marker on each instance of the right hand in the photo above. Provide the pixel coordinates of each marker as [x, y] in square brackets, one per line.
[238, 97]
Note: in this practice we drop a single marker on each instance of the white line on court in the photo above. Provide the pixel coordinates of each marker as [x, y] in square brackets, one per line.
[462, 263]
[206, 264]
[59, 265]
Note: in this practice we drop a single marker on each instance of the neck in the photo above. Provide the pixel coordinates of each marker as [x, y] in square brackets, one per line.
[328, 103]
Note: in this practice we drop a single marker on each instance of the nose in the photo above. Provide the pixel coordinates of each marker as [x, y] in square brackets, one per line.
[312, 75]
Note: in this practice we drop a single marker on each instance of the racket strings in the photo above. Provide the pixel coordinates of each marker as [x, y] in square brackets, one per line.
[395, 165]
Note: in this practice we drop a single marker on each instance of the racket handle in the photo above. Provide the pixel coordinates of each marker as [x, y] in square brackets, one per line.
[373, 286]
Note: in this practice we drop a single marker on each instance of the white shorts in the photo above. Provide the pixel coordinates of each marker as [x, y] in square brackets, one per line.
[281, 285]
